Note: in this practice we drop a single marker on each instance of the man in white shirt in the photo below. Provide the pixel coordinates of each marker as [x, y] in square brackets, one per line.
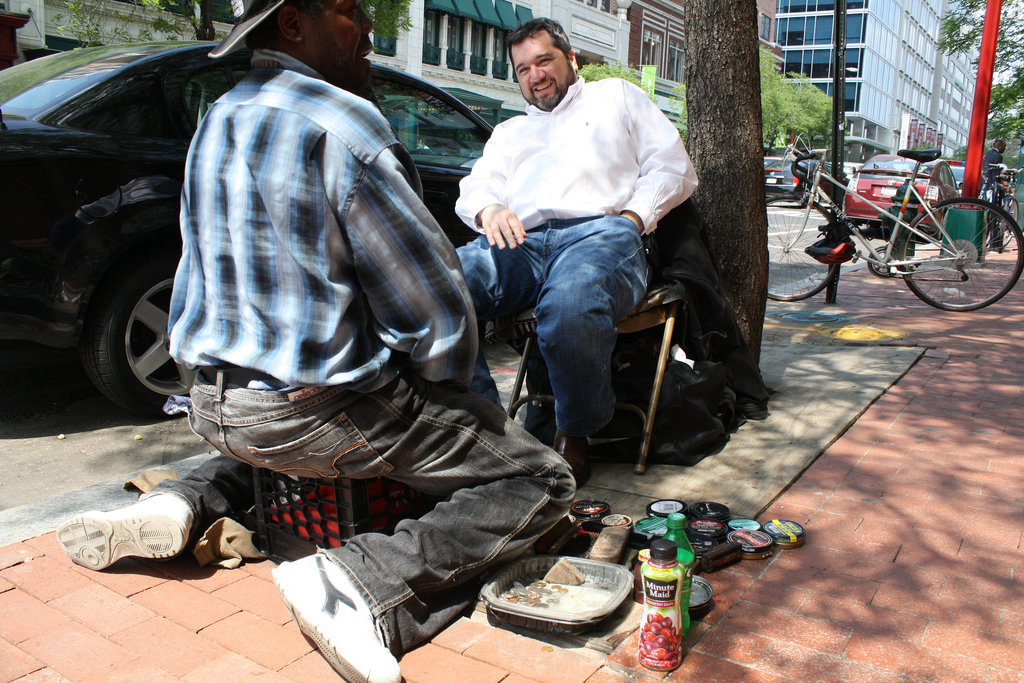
[562, 196]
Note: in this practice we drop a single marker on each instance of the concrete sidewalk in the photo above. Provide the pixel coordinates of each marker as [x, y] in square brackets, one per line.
[911, 570]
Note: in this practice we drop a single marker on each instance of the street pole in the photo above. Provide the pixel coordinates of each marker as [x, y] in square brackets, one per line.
[838, 120]
[982, 99]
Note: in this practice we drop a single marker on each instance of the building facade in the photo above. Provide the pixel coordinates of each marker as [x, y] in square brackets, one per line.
[901, 90]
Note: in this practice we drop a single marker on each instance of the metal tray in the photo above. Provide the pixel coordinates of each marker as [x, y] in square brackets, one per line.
[606, 584]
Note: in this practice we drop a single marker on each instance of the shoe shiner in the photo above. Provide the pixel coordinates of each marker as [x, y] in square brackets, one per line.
[333, 335]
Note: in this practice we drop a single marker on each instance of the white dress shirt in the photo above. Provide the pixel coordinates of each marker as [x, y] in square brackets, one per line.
[605, 148]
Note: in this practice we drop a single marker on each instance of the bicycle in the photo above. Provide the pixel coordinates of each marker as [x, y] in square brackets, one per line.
[957, 254]
[1003, 191]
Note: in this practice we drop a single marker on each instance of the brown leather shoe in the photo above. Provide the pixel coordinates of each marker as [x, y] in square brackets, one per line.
[574, 450]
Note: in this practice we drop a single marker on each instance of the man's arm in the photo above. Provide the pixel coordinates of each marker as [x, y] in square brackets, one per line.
[667, 177]
[410, 275]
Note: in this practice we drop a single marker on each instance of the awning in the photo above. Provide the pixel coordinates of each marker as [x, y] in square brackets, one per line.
[474, 100]
[487, 107]
[488, 13]
[465, 8]
[440, 6]
[524, 14]
[507, 14]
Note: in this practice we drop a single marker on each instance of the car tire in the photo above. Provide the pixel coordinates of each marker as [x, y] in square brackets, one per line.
[124, 338]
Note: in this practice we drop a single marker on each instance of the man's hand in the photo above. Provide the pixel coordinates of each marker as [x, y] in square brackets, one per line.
[633, 216]
[501, 226]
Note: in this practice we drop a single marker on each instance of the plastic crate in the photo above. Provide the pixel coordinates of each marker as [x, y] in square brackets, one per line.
[296, 515]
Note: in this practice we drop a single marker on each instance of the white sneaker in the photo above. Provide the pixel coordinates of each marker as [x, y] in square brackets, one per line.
[331, 612]
[157, 526]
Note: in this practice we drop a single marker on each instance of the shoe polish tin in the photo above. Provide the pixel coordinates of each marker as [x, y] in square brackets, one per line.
[708, 510]
[741, 523]
[754, 545]
[617, 520]
[705, 533]
[662, 508]
[589, 513]
[646, 530]
[785, 533]
[701, 594]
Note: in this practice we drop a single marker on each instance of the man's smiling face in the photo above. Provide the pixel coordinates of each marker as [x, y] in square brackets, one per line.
[545, 72]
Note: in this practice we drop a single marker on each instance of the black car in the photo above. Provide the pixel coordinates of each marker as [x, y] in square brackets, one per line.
[92, 153]
[778, 177]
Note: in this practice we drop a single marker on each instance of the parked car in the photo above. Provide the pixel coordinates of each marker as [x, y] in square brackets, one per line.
[92, 153]
[778, 177]
[879, 178]
[958, 169]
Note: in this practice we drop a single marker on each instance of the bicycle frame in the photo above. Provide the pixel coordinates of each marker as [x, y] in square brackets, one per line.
[943, 241]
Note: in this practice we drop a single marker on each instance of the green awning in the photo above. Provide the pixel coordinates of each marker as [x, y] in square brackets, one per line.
[466, 8]
[441, 6]
[524, 14]
[474, 100]
[507, 14]
[488, 14]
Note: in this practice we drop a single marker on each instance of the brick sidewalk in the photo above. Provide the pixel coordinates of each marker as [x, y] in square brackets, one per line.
[911, 571]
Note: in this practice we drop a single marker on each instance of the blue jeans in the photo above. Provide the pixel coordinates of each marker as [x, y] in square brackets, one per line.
[500, 488]
[582, 276]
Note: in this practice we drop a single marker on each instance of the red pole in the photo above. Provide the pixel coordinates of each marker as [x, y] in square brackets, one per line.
[982, 97]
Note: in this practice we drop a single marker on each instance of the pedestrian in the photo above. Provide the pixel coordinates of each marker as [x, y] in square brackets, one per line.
[990, 162]
[333, 336]
[562, 197]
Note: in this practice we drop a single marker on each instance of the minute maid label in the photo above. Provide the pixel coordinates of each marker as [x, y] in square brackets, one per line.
[660, 593]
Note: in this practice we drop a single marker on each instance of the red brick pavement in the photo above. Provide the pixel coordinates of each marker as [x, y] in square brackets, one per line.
[912, 569]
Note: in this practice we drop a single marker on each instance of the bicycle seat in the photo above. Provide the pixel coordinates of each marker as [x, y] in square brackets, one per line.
[922, 155]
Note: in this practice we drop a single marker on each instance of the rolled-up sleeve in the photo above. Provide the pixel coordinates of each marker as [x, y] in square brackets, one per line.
[410, 275]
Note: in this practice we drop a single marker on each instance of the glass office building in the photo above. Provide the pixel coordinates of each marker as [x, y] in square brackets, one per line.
[900, 89]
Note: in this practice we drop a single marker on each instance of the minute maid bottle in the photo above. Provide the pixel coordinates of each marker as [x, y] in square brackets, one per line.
[661, 634]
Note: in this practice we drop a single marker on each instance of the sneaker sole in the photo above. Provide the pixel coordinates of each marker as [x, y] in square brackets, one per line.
[97, 543]
[327, 650]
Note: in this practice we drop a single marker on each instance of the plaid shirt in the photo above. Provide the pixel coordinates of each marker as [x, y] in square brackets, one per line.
[307, 254]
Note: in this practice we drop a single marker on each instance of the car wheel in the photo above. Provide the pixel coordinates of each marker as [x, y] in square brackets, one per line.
[124, 339]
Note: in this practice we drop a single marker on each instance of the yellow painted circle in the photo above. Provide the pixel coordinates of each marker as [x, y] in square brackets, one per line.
[863, 333]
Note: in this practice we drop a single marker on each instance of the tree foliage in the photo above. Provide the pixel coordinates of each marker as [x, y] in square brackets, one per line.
[791, 105]
[677, 103]
[961, 34]
[129, 21]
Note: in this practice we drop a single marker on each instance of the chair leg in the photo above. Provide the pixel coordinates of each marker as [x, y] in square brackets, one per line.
[517, 388]
[659, 376]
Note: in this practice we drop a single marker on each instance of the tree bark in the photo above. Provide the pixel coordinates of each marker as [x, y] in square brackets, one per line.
[204, 27]
[723, 103]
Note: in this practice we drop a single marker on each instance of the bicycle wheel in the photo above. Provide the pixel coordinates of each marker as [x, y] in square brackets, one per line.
[792, 274]
[987, 263]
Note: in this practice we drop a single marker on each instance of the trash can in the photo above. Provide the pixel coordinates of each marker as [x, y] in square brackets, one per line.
[967, 225]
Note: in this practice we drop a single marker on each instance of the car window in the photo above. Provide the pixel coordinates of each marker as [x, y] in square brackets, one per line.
[433, 131]
[134, 106]
[202, 90]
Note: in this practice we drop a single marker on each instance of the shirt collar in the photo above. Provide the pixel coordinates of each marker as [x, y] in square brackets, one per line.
[282, 60]
[572, 93]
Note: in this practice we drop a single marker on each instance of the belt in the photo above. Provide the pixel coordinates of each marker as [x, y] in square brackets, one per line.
[236, 376]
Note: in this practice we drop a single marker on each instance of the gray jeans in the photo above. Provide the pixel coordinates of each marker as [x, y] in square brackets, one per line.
[500, 488]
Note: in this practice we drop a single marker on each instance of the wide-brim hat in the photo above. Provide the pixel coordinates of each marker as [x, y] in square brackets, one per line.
[248, 15]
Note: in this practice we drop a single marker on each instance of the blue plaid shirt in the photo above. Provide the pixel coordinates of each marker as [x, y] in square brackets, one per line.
[307, 254]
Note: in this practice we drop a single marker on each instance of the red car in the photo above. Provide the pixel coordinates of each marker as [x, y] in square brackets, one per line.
[880, 177]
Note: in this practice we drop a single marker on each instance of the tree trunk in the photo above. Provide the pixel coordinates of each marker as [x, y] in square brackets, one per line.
[723, 103]
[204, 27]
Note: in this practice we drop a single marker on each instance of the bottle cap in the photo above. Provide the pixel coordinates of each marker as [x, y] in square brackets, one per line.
[676, 520]
[663, 550]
